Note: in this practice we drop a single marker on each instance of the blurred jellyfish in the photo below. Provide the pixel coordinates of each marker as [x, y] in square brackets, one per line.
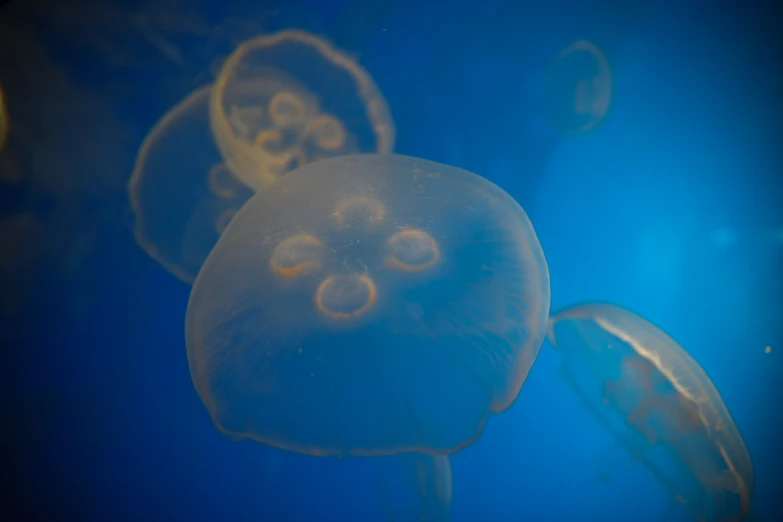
[577, 89]
[368, 305]
[415, 487]
[181, 194]
[657, 401]
[285, 99]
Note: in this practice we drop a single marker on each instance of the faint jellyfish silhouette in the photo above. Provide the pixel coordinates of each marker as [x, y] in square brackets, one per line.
[289, 98]
[415, 487]
[368, 305]
[577, 89]
[181, 195]
[647, 391]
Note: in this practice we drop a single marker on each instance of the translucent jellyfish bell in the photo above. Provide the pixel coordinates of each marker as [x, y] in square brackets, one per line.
[285, 99]
[578, 88]
[181, 194]
[645, 388]
[368, 305]
[416, 486]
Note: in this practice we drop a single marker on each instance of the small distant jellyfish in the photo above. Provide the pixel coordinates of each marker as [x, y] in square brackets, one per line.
[577, 90]
[286, 99]
[181, 193]
[415, 487]
[647, 391]
[368, 305]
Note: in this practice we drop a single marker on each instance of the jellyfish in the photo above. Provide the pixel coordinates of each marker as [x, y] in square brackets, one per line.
[285, 99]
[577, 88]
[415, 487]
[650, 394]
[181, 193]
[368, 305]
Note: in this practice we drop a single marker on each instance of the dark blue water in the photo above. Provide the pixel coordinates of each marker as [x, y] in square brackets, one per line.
[671, 206]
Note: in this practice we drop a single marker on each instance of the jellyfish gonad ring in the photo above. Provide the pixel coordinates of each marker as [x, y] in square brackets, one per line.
[346, 296]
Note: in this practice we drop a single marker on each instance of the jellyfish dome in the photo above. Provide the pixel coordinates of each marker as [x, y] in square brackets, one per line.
[368, 305]
[284, 99]
[577, 89]
[650, 393]
[181, 193]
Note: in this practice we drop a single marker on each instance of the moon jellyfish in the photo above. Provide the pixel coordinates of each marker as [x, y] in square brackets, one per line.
[415, 487]
[285, 99]
[368, 305]
[657, 401]
[577, 88]
[181, 194]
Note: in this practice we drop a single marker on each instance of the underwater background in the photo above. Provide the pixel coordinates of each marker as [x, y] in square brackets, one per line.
[671, 206]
